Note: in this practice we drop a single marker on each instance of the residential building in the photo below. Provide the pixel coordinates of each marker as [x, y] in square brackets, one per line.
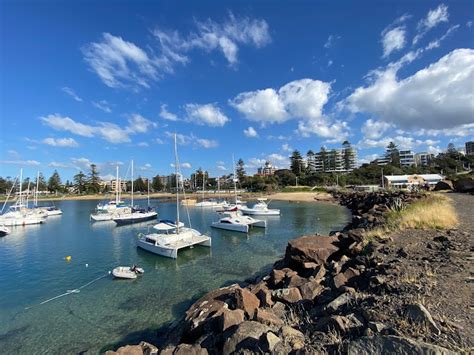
[470, 148]
[266, 170]
[382, 161]
[407, 158]
[423, 159]
[333, 161]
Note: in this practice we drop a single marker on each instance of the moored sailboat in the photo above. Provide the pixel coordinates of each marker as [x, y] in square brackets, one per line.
[173, 237]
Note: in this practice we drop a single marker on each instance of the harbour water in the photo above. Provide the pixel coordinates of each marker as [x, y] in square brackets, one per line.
[108, 312]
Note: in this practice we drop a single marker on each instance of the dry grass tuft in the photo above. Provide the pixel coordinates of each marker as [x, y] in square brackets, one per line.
[433, 212]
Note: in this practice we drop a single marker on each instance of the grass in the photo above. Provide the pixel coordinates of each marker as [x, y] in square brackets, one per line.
[435, 211]
[296, 189]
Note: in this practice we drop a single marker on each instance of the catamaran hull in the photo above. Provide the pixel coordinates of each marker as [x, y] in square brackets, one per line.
[244, 228]
[54, 213]
[121, 221]
[101, 217]
[159, 250]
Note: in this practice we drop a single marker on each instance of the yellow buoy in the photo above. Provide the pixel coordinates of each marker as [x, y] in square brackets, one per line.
[68, 258]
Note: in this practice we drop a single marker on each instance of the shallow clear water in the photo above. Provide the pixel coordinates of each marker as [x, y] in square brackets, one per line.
[109, 312]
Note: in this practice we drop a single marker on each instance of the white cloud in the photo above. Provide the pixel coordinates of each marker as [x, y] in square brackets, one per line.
[108, 131]
[278, 160]
[334, 132]
[251, 132]
[102, 105]
[61, 123]
[373, 129]
[403, 142]
[82, 164]
[182, 165]
[143, 144]
[165, 114]
[331, 41]
[71, 93]
[432, 19]
[439, 96]
[209, 115]
[221, 168]
[286, 147]
[145, 167]
[330, 62]
[119, 63]
[183, 139]
[210, 35]
[61, 142]
[13, 153]
[55, 164]
[393, 40]
[21, 162]
[159, 141]
[300, 99]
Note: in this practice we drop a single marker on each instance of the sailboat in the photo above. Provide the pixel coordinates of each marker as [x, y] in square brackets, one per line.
[47, 210]
[4, 231]
[19, 214]
[112, 209]
[136, 214]
[172, 237]
[208, 202]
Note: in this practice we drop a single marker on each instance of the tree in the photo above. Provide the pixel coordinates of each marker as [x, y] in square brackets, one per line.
[139, 185]
[41, 182]
[93, 183]
[80, 182]
[157, 184]
[285, 177]
[324, 159]
[348, 156]
[296, 165]
[240, 170]
[332, 160]
[54, 182]
[392, 154]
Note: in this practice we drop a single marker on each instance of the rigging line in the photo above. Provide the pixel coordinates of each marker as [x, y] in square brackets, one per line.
[70, 292]
[181, 181]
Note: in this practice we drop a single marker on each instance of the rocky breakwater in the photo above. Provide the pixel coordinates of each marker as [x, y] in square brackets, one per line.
[326, 295]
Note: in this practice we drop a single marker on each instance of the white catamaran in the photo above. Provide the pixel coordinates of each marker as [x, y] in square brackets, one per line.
[172, 237]
[260, 209]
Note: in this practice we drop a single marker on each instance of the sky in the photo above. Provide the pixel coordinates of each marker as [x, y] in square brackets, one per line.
[106, 82]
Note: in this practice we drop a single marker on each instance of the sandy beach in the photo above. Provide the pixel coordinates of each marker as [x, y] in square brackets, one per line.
[302, 196]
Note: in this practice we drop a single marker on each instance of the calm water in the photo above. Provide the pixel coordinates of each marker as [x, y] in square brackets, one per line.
[108, 312]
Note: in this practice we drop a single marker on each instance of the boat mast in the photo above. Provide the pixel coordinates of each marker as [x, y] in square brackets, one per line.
[37, 187]
[117, 184]
[132, 183]
[177, 183]
[235, 180]
[21, 183]
[148, 192]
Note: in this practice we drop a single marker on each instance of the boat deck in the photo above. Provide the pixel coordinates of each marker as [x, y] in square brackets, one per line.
[188, 242]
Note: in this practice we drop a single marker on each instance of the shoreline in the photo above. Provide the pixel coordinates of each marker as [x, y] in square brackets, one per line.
[280, 196]
[329, 293]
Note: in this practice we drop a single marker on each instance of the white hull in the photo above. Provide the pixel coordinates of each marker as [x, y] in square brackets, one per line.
[209, 204]
[21, 221]
[244, 228]
[54, 213]
[125, 272]
[252, 212]
[169, 244]
[99, 217]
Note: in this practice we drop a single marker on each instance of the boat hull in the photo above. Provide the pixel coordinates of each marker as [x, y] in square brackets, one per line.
[12, 222]
[244, 228]
[251, 212]
[135, 218]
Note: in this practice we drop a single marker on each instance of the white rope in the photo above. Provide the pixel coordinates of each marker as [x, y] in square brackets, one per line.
[70, 292]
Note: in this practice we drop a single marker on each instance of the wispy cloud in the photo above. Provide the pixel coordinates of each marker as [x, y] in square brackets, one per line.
[106, 130]
[102, 105]
[165, 114]
[432, 19]
[60, 142]
[251, 132]
[331, 41]
[208, 114]
[191, 139]
[71, 93]
[21, 162]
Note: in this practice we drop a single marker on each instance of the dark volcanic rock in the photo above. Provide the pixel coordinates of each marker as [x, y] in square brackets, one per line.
[246, 336]
[315, 249]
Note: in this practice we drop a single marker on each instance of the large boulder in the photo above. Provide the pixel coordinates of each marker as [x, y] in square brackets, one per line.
[417, 313]
[390, 344]
[311, 289]
[464, 185]
[246, 301]
[188, 349]
[127, 350]
[204, 315]
[343, 278]
[292, 336]
[246, 336]
[287, 295]
[310, 249]
[230, 318]
[268, 317]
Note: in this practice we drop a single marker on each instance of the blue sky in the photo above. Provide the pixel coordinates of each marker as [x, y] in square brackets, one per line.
[107, 82]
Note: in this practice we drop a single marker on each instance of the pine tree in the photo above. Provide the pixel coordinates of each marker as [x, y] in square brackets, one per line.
[80, 182]
[392, 154]
[41, 183]
[240, 170]
[324, 159]
[296, 165]
[54, 182]
[93, 183]
[156, 184]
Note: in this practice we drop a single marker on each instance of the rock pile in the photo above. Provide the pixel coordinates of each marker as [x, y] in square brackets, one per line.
[316, 299]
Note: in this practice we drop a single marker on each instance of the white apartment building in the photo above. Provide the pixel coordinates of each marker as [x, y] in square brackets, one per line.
[407, 158]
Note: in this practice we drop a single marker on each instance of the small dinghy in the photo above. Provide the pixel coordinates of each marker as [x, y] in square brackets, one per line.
[127, 272]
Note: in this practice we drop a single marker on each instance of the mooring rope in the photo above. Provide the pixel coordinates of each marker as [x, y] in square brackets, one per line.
[70, 292]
